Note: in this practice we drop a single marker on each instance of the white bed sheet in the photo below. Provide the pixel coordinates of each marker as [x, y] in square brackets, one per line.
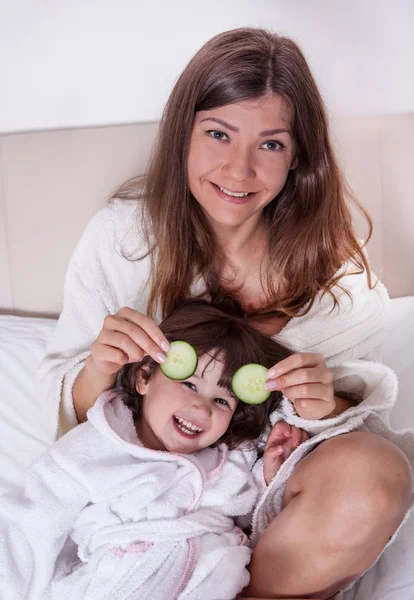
[23, 437]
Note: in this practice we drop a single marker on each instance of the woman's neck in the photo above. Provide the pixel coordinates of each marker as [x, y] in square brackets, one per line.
[242, 240]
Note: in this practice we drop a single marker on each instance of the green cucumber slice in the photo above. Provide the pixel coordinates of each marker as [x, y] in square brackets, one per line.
[248, 384]
[181, 361]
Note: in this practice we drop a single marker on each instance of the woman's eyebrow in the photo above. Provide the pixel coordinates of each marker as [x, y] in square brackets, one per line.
[221, 122]
[236, 129]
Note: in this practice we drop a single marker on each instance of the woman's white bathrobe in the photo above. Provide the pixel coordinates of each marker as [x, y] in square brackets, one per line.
[100, 281]
[102, 517]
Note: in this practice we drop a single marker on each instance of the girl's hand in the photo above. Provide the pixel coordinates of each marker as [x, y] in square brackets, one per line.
[307, 382]
[282, 441]
[126, 337]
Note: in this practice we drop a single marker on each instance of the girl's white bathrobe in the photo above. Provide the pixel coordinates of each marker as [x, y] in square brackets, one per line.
[102, 517]
[100, 280]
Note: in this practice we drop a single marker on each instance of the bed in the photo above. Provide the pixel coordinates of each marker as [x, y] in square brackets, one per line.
[52, 184]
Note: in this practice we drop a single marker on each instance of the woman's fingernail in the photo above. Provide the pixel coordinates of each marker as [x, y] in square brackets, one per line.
[270, 374]
[165, 346]
[161, 357]
[270, 385]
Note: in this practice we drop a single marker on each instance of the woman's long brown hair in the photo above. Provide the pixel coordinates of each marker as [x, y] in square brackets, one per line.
[311, 232]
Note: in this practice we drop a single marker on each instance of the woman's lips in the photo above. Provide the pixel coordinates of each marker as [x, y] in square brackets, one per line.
[232, 199]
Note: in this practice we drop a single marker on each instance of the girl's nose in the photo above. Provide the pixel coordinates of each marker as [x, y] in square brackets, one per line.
[202, 408]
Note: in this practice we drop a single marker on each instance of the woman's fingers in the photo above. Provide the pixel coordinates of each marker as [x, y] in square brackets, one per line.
[138, 335]
[317, 374]
[313, 409]
[316, 391]
[111, 358]
[121, 342]
[298, 360]
[311, 401]
[146, 324]
[306, 381]
[127, 337]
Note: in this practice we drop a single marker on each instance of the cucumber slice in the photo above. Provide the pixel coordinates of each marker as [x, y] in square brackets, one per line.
[181, 361]
[248, 384]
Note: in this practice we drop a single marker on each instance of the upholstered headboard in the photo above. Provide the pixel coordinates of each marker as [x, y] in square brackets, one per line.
[53, 182]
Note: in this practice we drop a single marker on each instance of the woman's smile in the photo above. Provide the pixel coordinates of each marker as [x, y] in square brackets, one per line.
[232, 196]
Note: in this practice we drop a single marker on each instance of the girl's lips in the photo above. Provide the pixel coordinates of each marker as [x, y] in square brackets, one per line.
[188, 436]
[232, 199]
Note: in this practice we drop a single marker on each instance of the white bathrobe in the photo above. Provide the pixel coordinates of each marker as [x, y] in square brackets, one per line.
[100, 281]
[101, 516]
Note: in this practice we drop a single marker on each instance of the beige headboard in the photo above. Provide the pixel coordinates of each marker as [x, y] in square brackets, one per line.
[53, 182]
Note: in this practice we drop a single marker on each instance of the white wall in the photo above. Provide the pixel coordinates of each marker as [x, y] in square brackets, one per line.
[68, 63]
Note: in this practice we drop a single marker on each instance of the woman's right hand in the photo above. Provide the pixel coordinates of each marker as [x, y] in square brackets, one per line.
[126, 337]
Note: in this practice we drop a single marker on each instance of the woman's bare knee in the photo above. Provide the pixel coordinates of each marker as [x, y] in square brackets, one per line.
[341, 505]
[357, 477]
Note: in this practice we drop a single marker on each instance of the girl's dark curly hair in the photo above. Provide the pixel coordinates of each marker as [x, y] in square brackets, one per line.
[219, 330]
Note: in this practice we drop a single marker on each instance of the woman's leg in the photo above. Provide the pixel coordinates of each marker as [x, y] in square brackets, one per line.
[341, 505]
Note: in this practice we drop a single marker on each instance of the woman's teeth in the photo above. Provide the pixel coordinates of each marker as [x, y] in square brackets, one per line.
[187, 427]
[235, 194]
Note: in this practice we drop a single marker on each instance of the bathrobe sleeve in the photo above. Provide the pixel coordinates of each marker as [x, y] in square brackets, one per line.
[35, 522]
[100, 280]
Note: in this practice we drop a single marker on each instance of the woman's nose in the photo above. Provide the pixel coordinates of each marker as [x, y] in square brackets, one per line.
[239, 167]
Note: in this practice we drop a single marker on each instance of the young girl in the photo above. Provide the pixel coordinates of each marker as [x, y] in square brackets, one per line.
[140, 501]
[244, 196]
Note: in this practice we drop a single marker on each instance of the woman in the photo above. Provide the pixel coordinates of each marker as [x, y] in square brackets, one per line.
[243, 196]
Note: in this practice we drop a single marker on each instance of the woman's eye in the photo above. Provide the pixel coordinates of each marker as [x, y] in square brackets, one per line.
[272, 145]
[222, 401]
[217, 134]
[189, 385]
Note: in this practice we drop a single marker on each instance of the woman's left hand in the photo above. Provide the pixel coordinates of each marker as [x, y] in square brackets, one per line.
[307, 382]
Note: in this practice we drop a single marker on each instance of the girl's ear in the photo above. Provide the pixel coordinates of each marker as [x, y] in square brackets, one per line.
[142, 379]
[294, 163]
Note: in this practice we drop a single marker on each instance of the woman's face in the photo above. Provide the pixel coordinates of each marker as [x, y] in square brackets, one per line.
[185, 416]
[239, 158]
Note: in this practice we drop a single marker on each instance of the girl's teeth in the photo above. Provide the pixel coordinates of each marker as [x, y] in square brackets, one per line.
[236, 194]
[188, 427]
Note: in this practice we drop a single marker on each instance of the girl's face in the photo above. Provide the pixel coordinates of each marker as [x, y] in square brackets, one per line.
[240, 148]
[184, 416]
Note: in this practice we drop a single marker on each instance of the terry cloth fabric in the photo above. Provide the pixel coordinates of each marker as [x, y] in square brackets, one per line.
[101, 280]
[101, 516]
[378, 386]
